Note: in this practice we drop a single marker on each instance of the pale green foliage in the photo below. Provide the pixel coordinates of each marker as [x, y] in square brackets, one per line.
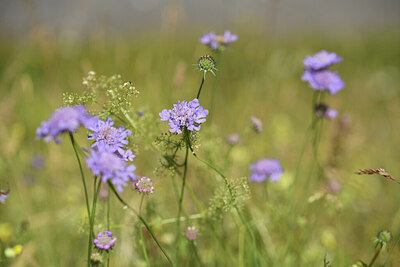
[227, 196]
[111, 93]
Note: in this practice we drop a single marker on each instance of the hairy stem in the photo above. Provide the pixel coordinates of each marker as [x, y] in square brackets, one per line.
[201, 85]
[181, 199]
[375, 256]
[95, 193]
[82, 175]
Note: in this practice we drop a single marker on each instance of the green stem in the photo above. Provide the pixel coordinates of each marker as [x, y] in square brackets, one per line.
[108, 220]
[143, 221]
[82, 175]
[181, 198]
[196, 254]
[96, 191]
[375, 256]
[201, 85]
[141, 234]
[231, 193]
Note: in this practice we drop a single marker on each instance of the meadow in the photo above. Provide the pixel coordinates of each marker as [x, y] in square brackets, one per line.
[319, 209]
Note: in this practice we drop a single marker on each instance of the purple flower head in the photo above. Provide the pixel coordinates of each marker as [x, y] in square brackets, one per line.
[218, 41]
[184, 114]
[105, 134]
[257, 124]
[324, 80]
[110, 166]
[266, 168]
[37, 162]
[322, 110]
[104, 240]
[321, 60]
[4, 195]
[144, 185]
[66, 119]
[191, 233]
[234, 139]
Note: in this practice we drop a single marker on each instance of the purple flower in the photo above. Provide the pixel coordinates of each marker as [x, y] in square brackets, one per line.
[66, 119]
[322, 110]
[266, 168]
[4, 195]
[37, 162]
[191, 233]
[323, 80]
[144, 185]
[184, 114]
[321, 60]
[257, 124]
[105, 240]
[234, 139]
[105, 134]
[218, 41]
[110, 166]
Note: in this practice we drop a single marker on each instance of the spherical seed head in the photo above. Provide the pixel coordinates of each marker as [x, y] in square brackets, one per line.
[105, 240]
[384, 236]
[206, 63]
[191, 233]
[96, 259]
[144, 185]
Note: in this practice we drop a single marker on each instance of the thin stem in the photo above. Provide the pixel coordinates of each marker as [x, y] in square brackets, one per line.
[96, 191]
[375, 256]
[143, 221]
[231, 193]
[201, 85]
[108, 220]
[196, 254]
[181, 198]
[82, 175]
[141, 234]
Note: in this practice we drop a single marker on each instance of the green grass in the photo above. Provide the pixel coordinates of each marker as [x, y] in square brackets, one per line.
[257, 76]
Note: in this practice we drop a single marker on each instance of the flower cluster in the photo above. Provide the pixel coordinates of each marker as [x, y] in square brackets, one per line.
[105, 134]
[266, 168]
[322, 110]
[144, 185]
[218, 41]
[105, 162]
[66, 119]
[105, 240]
[191, 233]
[184, 114]
[317, 74]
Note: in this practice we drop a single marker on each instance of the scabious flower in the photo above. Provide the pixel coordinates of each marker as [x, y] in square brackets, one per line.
[144, 185]
[105, 240]
[191, 233]
[266, 168]
[321, 60]
[184, 114]
[234, 139]
[37, 162]
[317, 74]
[105, 134]
[66, 119]
[110, 166]
[257, 124]
[322, 110]
[4, 195]
[218, 41]
[323, 80]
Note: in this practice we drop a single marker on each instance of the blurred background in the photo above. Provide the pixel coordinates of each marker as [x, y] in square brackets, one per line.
[47, 47]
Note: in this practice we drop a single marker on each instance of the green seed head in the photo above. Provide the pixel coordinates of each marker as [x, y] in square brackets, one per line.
[206, 63]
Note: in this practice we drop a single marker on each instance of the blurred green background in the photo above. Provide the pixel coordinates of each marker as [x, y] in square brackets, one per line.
[259, 75]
